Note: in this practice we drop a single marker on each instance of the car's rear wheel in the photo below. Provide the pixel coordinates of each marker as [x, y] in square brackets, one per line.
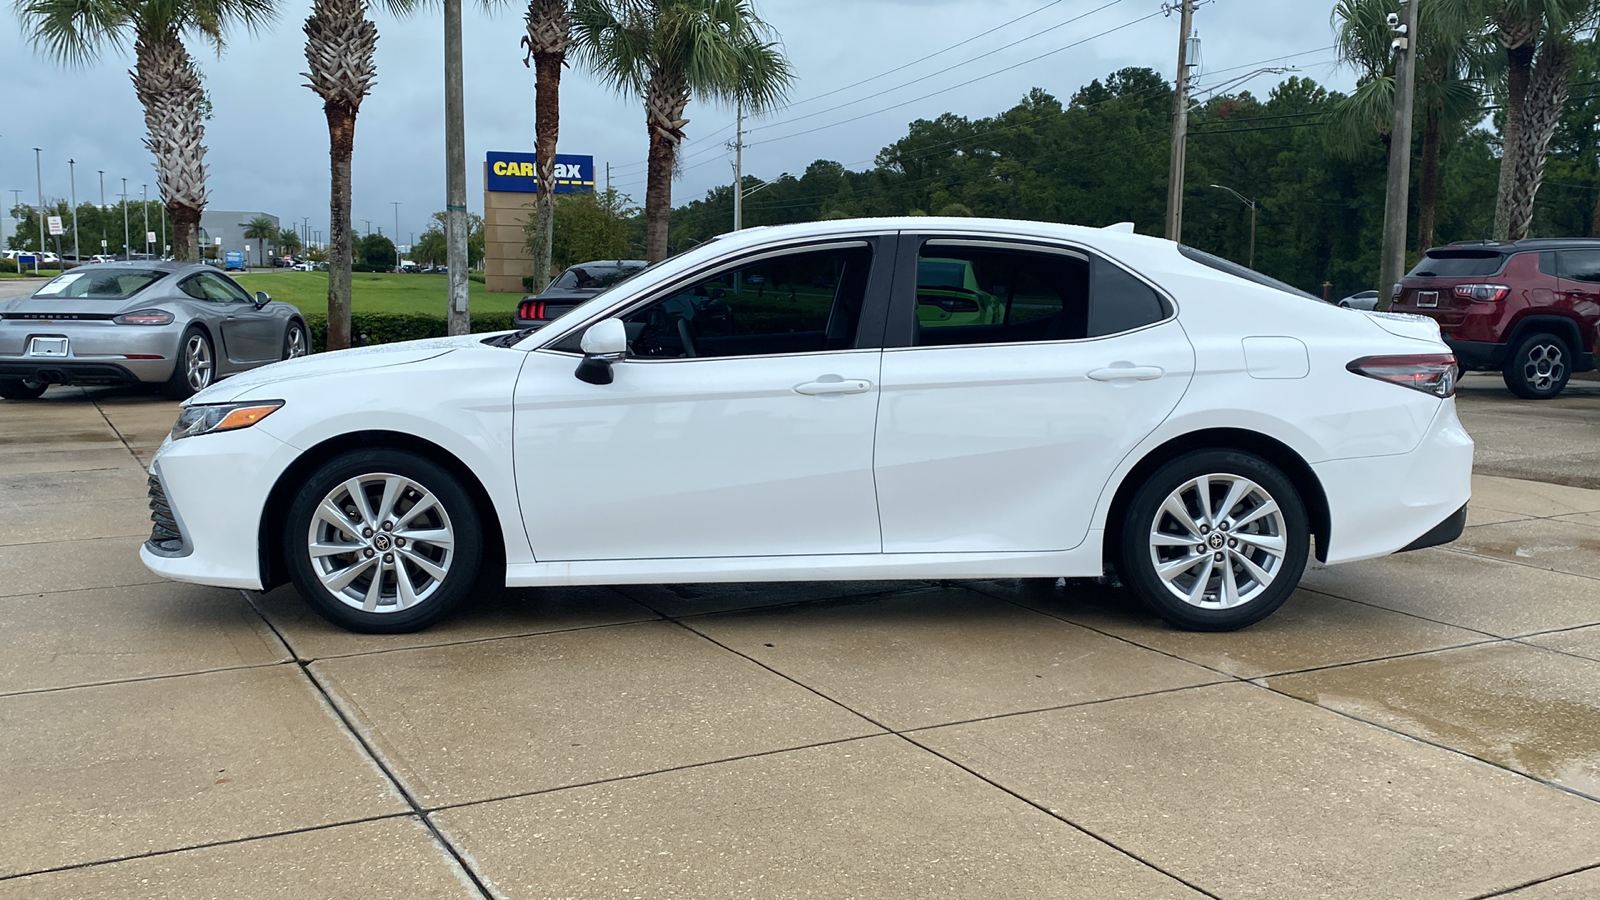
[1539, 367]
[295, 343]
[194, 369]
[383, 541]
[1215, 540]
[21, 389]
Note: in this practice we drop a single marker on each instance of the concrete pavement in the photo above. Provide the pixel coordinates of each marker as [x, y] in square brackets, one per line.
[1426, 725]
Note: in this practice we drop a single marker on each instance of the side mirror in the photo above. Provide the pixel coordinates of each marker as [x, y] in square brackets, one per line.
[604, 343]
[262, 299]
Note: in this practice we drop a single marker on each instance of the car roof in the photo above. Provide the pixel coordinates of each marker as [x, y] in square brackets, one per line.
[168, 267]
[1572, 243]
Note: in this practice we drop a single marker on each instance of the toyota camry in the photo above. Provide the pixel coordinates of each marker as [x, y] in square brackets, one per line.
[776, 405]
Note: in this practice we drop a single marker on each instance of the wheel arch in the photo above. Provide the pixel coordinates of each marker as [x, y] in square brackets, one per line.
[274, 566]
[1274, 451]
[1561, 326]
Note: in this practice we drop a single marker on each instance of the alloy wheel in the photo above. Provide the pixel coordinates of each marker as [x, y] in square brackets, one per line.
[297, 342]
[1218, 541]
[197, 362]
[1544, 366]
[381, 543]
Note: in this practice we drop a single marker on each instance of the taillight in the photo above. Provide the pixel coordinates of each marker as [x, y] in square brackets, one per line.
[530, 309]
[1483, 293]
[1430, 373]
[144, 317]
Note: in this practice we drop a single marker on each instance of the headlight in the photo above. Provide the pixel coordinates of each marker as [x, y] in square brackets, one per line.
[213, 417]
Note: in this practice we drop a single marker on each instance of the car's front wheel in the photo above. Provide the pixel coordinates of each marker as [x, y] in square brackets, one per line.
[383, 541]
[1539, 367]
[1215, 540]
[295, 343]
[21, 389]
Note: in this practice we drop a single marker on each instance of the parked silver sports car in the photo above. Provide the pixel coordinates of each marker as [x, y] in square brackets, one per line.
[178, 325]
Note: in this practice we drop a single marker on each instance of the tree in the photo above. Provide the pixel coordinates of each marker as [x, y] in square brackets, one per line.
[376, 251]
[289, 241]
[165, 78]
[589, 226]
[340, 44]
[261, 229]
[431, 247]
[549, 35]
[1538, 37]
[667, 51]
[475, 236]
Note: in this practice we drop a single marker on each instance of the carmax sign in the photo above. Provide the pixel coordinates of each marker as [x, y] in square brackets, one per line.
[517, 172]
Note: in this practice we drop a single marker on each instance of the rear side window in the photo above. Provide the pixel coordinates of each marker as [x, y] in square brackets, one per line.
[979, 295]
[1120, 302]
[106, 284]
[1580, 265]
[1448, 263]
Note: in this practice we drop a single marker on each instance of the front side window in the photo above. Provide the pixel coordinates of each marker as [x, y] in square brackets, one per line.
[215, 288]
[801, 302]
[1581, 265]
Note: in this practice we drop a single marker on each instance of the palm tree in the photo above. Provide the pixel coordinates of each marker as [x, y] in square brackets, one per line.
[667, 51]
[1450, 38]
[261, 229]
[340, 44]
[549, 35]
[165, 78]
[289, 241]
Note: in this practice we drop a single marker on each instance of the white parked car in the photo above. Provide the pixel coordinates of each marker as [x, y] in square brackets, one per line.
[870, 399]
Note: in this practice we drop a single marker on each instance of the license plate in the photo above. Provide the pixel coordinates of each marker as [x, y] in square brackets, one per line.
[1427, 298]
[53, 347]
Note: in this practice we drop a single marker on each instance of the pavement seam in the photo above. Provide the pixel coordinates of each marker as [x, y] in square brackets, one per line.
[1536, 882]
[115, 430]
[202, 846]
[377, 760]
[143, 678]
[1513, 562]
[905, 737]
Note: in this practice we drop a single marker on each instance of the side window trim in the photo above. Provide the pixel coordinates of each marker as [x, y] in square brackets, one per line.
[900, 332]
[869, 328]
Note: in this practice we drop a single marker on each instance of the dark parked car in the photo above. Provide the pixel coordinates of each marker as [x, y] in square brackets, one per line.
[1528, 309]
[574, 286]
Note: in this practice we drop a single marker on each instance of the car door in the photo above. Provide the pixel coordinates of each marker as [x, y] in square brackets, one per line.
[741, 424]
[998, 431]
[1580, 289]
[249, 335]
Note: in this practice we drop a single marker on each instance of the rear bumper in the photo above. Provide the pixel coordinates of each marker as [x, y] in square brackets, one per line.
[1442, 533]
[1478, 354]
[71, 372]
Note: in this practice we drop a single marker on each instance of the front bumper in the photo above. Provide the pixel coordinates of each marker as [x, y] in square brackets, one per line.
[1380, 505]
[215, 489]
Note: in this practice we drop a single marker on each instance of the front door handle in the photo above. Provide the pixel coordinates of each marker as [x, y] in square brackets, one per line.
[1127, 373]
[842, 386]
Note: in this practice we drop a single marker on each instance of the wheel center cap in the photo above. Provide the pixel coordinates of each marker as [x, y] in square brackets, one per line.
[380, 542]
[1216, 541]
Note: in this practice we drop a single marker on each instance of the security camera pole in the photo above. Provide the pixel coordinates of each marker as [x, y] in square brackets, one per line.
[1399, 193]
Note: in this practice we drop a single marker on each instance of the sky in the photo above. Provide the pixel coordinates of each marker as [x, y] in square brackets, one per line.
[267, 141]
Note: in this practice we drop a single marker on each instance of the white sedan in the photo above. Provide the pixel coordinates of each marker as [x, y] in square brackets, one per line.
[871, 399]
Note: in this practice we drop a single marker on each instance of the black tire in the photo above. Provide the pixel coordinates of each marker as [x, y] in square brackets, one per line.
[453, 513]
[21, 389]
[178, 385]
[1538, 367]
[1207, 611]
[296, 327]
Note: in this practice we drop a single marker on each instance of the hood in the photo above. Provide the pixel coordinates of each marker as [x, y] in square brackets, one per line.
[1417, 328]
[357, 359]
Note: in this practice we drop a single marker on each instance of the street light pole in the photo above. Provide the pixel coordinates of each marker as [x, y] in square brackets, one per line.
[72, 178]
[1252, 204]
[38, 174]
[144, 202]
[127, 241]
[396, 205]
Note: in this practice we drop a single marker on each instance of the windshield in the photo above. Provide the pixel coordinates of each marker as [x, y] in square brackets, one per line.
[102, 284]
[595, 277]
[1238, 271]
[1458, 264]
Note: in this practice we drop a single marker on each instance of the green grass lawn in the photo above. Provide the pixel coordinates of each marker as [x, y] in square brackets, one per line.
[46, 274]
[375, 292]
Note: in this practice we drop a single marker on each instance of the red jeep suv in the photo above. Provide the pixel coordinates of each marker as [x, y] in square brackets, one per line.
[1529, 309]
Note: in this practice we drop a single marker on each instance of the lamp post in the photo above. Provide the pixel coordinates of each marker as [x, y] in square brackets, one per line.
[103, 247]
[38, 174]
[396, 205]
[72, 178]
[144, 202]
[127, 242]
[1252, 204]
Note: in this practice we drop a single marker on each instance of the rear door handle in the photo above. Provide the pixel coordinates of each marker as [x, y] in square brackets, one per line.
[1127, 373]
[844, 386]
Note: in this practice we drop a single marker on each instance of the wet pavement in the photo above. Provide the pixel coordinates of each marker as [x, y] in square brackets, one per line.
[1426, 725]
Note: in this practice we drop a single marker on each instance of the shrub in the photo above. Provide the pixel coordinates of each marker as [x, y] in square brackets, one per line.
[475, 276]
[8, 265]
[390, 328]
[527, 284]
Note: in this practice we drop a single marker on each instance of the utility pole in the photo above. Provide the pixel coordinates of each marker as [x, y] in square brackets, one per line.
[1398, 195]
[144, 203]
[38, 174]
[1180, 122]
[459, 318]
[738, 168]
[72, 178]
[608, 176]
[396, 205]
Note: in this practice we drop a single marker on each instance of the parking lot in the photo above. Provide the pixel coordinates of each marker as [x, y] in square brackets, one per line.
[1426, 725]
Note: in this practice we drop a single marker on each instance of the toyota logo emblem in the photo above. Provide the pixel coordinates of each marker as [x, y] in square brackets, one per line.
[381, 542]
